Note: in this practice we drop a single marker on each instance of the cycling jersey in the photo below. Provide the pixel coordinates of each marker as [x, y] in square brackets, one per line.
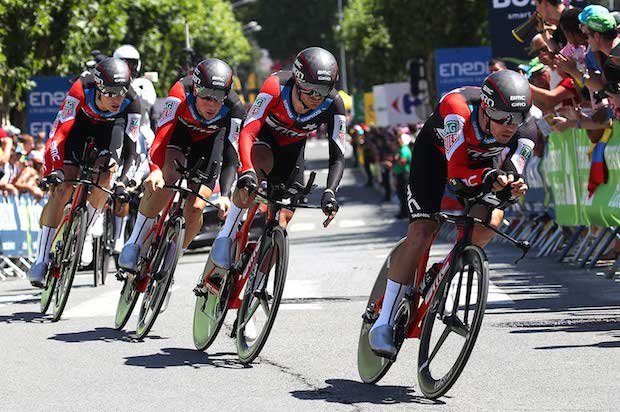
[272, 120]
[79, 117]
[452, 145]
[181, 127]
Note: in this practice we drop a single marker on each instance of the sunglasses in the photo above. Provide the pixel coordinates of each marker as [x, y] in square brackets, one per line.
[113, 91]
[208, 93]
[314, 90]
[505, 118]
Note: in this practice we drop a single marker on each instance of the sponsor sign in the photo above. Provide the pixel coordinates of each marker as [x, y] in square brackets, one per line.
[464, 66]
[44, 101]
[394, 104]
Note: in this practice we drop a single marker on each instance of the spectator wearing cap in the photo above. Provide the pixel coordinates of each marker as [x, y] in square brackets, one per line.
[400, 168]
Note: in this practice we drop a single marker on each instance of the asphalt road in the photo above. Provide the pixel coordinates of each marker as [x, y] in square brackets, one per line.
[550, 338]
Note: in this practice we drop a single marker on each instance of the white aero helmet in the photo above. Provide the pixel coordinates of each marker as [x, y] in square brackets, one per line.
[131, 55]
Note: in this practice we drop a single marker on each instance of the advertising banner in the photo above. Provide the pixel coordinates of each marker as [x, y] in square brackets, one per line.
[464, 66]
[19, 225]
[605, 203]
[43, 102]
[393, 104]
[369, 109]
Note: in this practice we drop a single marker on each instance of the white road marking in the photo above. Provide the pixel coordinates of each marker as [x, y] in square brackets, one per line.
[349, 223]
[301, 306]
[12, 299]
[102, 305]
[301, 289]
[301, 227]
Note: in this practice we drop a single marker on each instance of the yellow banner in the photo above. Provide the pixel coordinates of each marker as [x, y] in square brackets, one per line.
[369, 108]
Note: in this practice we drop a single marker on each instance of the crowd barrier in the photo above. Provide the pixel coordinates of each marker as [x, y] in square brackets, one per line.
[19, 229]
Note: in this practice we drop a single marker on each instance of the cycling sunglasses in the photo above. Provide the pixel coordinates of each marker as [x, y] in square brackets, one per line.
[209, 93]
[113, 91]
[314, 90]
[505, 118]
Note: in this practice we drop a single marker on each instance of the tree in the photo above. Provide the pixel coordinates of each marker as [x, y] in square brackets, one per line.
[381, 35]
[55, 37]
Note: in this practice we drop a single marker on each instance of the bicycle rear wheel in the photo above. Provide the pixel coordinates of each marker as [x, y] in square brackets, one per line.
[126, 302]
[70, 260]
[370, 366]
[452, 322]
[161, 273]
[103, 248]
[262, 291]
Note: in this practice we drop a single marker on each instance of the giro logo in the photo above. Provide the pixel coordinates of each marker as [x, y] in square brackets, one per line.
[504, 4]
[487, 100]
[405, 103]
[458, 69]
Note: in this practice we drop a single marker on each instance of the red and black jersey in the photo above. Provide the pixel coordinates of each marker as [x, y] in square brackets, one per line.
[180, 109]
[273, 112]
[453, 128]
[79, 113]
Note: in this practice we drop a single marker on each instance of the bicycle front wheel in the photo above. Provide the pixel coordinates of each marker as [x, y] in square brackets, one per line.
[103, 248]
[126, 302]
[452, 323]
[161, 273]
[48, 290]
[70, 259]
[262, 296]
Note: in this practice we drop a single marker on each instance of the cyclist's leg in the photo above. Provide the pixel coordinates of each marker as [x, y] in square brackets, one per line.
[482, 236]
[424, 193]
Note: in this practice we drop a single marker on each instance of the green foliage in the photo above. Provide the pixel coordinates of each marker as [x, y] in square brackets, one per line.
[55, 37]
[381, 35]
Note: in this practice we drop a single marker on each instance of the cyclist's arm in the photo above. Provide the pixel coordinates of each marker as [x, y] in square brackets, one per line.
[520, 149]
[336, 129]
[173, 106]
[55, 146]
[267, 98]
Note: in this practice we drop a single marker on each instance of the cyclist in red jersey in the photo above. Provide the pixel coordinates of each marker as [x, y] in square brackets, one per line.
[103, 105]
[289, 107]
[470, 128]
[201, 113]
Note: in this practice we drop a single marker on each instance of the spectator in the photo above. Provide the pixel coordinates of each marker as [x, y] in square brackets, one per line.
[27, 144]
[496, 65]
[401, 168]
[6, 146]
[28, 178]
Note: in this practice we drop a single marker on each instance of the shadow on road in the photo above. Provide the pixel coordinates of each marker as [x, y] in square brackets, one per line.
[100, 334]
[24, 317]
[186, 357]
[350, 392]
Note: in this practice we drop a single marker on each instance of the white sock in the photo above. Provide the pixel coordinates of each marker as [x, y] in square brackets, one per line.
[46, 235]
[231, 224]
[142, 226]
[119, 226]
[91, 216]
[394, 292]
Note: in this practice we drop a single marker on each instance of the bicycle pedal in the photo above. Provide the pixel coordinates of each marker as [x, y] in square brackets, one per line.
[233, 332]
[120, 276]
[200, 292]
[261, 294]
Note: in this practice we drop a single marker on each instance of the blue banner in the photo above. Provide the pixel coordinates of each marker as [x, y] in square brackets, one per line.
[43, 102]
[19, 225]
[464, 66]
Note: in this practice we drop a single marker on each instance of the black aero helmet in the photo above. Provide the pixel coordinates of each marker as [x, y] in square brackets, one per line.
[112, 76]
[315, 71]
[212, 79]
[506, 97]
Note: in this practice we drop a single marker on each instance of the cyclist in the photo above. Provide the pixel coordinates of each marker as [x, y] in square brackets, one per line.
[146, 92]
[288, 108]
[201, 113]
[103, 105]
[469, 128]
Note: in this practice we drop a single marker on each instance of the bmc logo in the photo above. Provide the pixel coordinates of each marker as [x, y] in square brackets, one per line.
[46, 99]
[503, 4]
[463, 69]
[405, 103]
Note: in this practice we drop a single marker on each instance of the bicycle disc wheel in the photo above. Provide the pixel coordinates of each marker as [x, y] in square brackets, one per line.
[370, 366]
[70, 260]
[126, 302]
[262, 296]
[162, 270]
[452, 323]
[48, 289]
[210, 310]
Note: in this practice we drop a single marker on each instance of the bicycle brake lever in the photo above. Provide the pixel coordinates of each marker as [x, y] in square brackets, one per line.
[525, 247]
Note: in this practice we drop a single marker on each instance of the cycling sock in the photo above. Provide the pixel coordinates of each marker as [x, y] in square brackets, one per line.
[91, 216]
[231, 225]
[46, 235]
[119, 226]
[394, 292]
[143, 225]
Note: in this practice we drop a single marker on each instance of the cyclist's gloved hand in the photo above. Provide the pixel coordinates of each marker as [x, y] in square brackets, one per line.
[329, 204]
[120, 192]
[248, 180]
[56, 177]
[495, 180]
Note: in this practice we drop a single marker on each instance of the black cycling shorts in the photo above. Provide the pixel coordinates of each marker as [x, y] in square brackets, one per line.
[211, 148]
[285, 158]
[427, 180]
